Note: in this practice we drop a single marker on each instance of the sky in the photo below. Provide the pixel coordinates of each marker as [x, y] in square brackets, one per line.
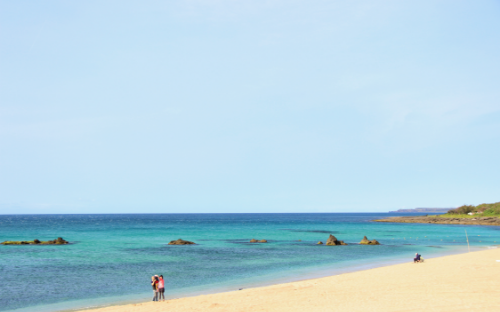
[248, 106]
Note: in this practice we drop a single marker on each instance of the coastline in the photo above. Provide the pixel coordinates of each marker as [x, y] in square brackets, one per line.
[492, 221]
[393, 287]
[292, 255]
[433, 285]
[289, 276]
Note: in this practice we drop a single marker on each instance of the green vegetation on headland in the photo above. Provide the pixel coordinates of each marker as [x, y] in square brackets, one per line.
[484, 214]
[484, 210]
[58, 241]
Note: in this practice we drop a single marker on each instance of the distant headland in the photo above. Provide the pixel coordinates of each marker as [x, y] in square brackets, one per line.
[424, 210]
[484, 214]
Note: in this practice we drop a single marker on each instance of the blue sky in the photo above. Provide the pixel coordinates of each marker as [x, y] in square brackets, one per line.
[248, 106]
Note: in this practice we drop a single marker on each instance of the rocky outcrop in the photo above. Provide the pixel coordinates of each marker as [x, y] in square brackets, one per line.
[366, 241]
[319, 243]
[333, 241]
[494, 221]
[60, 241]
[181, 242]
[57, 241]
[263, 241]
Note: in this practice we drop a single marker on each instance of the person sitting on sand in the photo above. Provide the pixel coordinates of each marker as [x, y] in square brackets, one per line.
[161, 288]
[417, 258]
[154, 284]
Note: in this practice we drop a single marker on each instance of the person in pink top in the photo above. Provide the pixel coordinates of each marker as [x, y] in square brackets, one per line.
[161, 288]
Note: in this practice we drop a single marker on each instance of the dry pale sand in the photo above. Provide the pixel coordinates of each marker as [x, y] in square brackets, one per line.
[466, 282]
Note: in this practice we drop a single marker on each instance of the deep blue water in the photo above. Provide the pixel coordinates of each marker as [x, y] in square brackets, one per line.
[112, 257]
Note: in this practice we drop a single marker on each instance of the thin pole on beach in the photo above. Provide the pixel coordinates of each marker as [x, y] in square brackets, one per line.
[467, 239]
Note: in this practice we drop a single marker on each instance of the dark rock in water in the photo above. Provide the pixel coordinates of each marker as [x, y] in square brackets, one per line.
[319, 243]
[57, 241]
[60, 241]
[36, 241]
[333, 241]
[263, 241]
[366, 241]
[181, 242]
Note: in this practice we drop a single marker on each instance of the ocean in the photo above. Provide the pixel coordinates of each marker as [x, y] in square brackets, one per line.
[112, 257]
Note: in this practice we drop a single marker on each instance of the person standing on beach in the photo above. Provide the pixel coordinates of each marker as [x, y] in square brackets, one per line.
[161, 288]
[154, 284]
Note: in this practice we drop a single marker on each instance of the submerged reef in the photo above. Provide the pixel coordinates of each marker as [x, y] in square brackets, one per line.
[253, 240]
[57, 241]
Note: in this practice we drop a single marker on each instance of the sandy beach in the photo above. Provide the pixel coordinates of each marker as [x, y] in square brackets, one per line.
[465, 282]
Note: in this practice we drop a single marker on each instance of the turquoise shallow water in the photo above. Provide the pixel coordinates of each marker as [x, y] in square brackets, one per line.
[112, 257]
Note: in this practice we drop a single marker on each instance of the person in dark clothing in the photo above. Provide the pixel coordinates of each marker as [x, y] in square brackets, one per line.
[417, 258]
[154, 284]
